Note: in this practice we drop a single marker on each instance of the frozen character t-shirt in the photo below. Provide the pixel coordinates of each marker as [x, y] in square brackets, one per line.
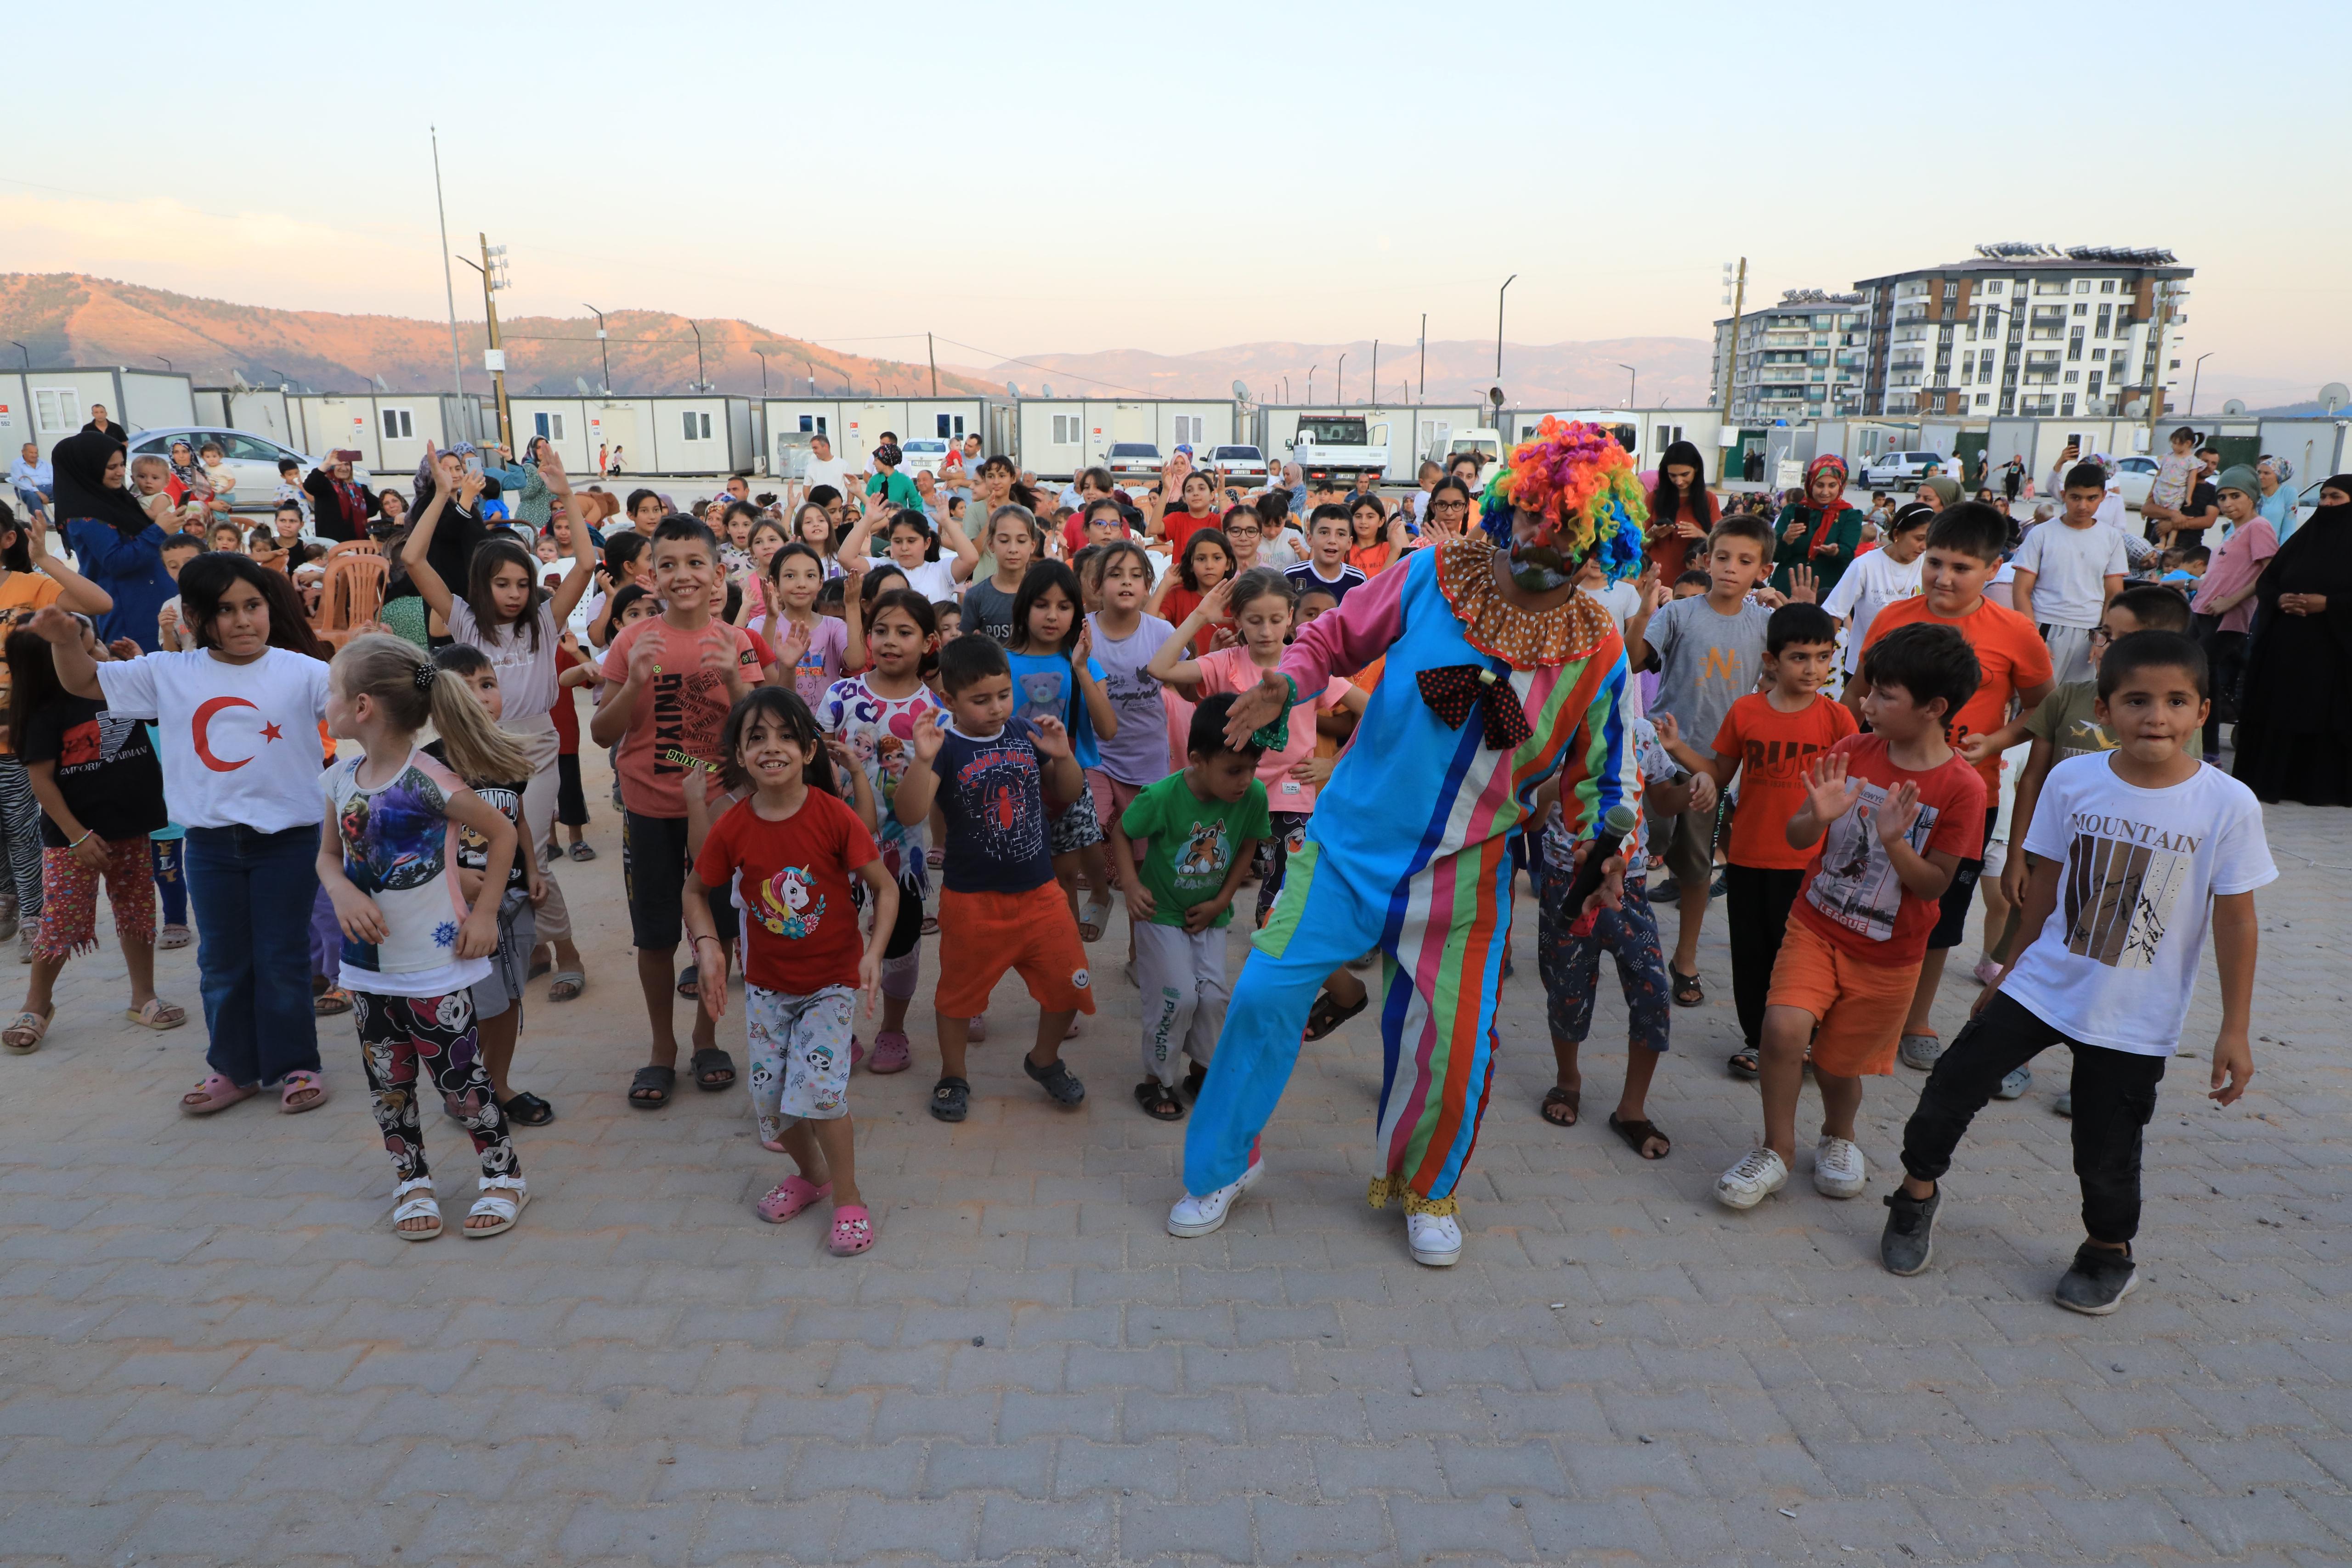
[400, 848]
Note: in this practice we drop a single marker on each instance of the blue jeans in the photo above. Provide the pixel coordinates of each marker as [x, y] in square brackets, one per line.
[253, 892]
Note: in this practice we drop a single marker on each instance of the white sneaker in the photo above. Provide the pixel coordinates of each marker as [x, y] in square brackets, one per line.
[1839, 1170]
[1435, 1238]
[1755, 1178]
[1199, 1216]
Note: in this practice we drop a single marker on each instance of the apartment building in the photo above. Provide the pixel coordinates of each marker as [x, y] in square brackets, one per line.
[2027, 330]
[1804, 358]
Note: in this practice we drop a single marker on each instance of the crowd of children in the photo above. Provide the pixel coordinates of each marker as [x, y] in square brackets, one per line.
[810, 722]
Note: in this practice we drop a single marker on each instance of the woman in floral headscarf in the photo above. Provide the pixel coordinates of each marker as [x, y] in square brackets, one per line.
[1824, 532]
[2276, 502]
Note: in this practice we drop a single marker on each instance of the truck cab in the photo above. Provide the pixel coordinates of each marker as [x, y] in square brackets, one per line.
[1336, 447]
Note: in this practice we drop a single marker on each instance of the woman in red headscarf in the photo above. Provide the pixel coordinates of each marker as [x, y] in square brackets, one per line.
[1823, 531]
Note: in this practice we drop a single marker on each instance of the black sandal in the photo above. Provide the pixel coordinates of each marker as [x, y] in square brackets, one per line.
[650, 1088]
[708, 1065]
[1573, 1098]
[528, 1110]
[689, 984]
[950, 1099]
[1057, 1078]
[1326, 1015]
[1743, 1063]
[1193, 1079]
[1158, 1100]
[1687, 991]
[1636, 1134]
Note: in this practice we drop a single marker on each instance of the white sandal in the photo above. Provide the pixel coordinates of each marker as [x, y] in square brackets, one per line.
[502, 1200]
[420, 1206]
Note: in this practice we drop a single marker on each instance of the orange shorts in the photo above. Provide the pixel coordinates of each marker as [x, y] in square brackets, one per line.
[981, 935]
[1860, 1006]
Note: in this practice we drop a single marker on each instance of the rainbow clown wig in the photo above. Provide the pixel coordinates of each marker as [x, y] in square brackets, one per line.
[1579, 477]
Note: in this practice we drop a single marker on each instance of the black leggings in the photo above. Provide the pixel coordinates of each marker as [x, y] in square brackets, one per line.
[1757, 900]
[2114, 1096]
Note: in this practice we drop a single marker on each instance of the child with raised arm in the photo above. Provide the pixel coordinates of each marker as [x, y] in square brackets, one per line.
[2133, 853]
[794, 847]
[672, 679]
[1198, 827]
[1014, 537]
[1768, 738]
[1054, 675]
[1001, 908]
[413, 946]
[1894, 813]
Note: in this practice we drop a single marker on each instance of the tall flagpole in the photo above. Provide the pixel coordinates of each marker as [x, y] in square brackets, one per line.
[456, 362]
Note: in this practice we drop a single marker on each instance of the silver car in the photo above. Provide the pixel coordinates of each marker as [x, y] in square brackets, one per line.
[252, 459]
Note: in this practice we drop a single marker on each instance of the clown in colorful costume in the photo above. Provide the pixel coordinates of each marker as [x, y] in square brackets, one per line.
[1498, 674]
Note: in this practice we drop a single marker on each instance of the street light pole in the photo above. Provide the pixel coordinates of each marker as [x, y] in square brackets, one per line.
[763, 370]
[1343, 393]
[1311, 383]
[1498, 322]
[448, 285]
[1376, 369]
[1425, 356]
[604, 355]
[167, 365]
[699, 384]
[1633, 378]
[492, 266]
[2194, 371]
[26, 351]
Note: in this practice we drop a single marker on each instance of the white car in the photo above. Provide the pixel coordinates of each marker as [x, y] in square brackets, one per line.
[1133, 460]
[1237, 463]
[2134, 475]
[925, 455]
[253, 459]
[1896, 470]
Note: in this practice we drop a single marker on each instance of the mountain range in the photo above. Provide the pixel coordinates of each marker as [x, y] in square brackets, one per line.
[72, 319]
[68, 319]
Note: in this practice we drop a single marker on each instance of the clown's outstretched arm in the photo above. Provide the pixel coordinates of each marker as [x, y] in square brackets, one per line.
[1338, 642]
[1598, 770]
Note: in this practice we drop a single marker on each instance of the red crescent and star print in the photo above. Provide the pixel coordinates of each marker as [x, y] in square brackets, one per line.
[200, 734]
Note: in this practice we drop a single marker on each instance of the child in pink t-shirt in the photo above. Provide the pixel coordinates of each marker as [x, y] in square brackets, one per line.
[1262, 601]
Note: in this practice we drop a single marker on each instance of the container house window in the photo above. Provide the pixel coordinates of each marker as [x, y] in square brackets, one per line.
[398, 424]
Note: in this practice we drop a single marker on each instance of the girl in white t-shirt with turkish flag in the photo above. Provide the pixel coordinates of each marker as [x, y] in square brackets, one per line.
[239, 717]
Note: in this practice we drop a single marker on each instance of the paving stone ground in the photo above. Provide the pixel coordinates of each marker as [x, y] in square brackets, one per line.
[213, 1350]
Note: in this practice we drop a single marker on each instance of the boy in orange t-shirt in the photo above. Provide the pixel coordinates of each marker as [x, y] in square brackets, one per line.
[1963, 549]
[1895, 813]
[1770, 738]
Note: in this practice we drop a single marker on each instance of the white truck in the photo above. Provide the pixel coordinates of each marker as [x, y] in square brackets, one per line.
[1336, 447]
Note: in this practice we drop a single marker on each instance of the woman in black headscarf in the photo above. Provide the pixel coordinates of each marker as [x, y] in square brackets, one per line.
[2293, 739]
[460, 531]
[120, 547]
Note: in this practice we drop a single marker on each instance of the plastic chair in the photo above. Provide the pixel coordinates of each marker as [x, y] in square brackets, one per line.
[354, 593]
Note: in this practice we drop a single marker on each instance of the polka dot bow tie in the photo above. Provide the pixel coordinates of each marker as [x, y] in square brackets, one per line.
[1452, 691]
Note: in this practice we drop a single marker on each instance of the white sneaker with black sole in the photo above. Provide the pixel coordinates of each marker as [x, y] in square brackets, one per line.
[1198, 1215]
[1755, 1178]
[1839, 1169]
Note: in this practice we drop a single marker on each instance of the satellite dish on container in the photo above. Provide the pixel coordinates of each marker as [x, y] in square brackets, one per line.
[2235, 405]
[1241, 392]
[2135, 409]
[581, 382]
[1012, 387]
[1049, 389]
[2335, 395]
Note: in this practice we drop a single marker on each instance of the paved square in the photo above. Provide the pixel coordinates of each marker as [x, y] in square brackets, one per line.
[213, 1350]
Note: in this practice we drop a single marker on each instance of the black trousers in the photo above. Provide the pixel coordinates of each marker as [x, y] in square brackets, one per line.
[2115, 1095]
[1757, 901]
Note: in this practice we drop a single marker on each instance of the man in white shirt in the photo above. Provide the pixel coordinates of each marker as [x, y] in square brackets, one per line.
[824, 468]
[2067, 569]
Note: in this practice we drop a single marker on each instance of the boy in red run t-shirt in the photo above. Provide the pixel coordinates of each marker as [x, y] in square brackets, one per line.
[1770, 738]
[1963, 549]
[1895, 812]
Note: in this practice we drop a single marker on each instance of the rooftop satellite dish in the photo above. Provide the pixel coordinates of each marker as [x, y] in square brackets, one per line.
[2335, 395]
[237, 379]
[581, 382]
[1049, 389]
[1240, 392]
[1012, 387]
[2135, 409]
[380, 384]
[2234, 405]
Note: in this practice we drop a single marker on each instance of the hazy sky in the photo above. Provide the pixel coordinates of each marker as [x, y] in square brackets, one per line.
[1178, 177]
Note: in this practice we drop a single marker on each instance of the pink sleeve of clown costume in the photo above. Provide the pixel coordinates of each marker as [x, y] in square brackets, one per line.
[1339, 643]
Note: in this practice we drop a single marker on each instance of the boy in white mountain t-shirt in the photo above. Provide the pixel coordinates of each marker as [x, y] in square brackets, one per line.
[2132, 853]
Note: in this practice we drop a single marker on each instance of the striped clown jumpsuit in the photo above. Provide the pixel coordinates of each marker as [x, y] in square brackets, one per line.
[1408, 852]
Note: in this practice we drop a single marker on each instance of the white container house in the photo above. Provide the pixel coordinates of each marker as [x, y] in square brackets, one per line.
[47, 405]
